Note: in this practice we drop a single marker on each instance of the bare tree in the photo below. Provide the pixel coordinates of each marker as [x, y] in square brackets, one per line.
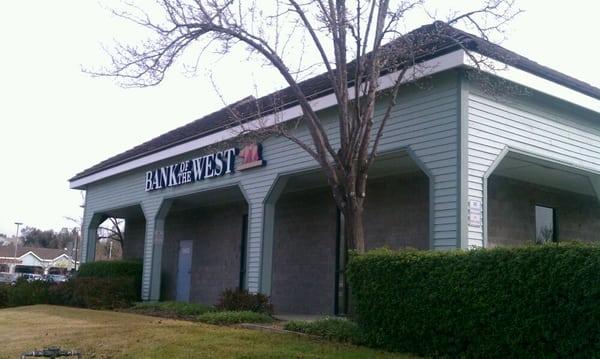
[113, 231]
[355, 42]
[110, 230]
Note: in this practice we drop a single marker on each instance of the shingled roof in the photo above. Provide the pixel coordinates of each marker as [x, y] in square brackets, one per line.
[43, 253]
[434, 40]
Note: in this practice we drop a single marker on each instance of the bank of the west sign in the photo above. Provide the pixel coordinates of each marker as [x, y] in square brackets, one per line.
[197, 169]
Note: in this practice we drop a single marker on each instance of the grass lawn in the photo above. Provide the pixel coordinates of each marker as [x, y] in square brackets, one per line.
[104, 334]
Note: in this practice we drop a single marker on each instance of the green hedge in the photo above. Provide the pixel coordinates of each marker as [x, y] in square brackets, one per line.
[114, 269]
[102, 293]
[93, 293]
[111, 269]
[25, 293]
[541, 301]
[97, 285]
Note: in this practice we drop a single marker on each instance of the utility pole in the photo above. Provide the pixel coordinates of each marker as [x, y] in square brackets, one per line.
[16, 245]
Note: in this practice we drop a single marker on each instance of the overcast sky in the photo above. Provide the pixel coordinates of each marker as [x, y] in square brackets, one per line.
[56, 121]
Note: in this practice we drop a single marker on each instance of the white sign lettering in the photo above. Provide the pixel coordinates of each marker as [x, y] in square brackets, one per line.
[194, 170]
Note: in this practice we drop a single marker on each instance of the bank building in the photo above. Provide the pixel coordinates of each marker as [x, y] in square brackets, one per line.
[457, 167]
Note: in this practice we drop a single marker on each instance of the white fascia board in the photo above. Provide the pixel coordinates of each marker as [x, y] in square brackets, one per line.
[427, 68]
[33, 254]
[62, 255]
[540, 84]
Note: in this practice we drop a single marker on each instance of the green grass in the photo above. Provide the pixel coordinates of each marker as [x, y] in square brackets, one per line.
[105, 334]
[233, 317]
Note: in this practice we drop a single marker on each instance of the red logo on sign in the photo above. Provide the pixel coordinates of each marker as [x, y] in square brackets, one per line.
[251, 156]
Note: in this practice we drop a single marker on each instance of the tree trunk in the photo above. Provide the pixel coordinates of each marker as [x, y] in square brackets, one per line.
[354, 230]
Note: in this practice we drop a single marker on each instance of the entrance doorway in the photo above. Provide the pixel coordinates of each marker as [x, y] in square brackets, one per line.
[184, 270]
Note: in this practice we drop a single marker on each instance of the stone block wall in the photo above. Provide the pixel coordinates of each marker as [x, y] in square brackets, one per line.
[511, 211]
[216, 259]
[397, 212]
[135, 231]
[304, 253]
[396, 216]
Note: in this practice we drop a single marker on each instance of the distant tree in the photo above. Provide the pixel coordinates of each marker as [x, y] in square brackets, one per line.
[35, 237]
[4, 241]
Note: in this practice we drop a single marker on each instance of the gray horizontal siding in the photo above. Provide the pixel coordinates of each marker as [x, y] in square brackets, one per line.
[524, 126]
[424, 121]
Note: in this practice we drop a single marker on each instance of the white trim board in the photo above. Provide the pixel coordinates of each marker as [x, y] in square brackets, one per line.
[445, 62]
[540, 84]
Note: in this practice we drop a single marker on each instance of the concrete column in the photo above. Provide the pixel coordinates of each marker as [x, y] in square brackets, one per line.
[88, 243]
[153, 244]
[479, 174]
[257, 260]
[595, 181]
[444, 200]
[268, 230]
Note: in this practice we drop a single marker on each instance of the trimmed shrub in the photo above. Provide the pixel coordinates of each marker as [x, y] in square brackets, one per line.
[171, 309]
[28, 293]
[4, 289]
[234, 317]
[100, 293]
[111, 269]
[340, 330]
[242, 300]
[94, 293]
[114, 269]
[61, 293]
[541, 301]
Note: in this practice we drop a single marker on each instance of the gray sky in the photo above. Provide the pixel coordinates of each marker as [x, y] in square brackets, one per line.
[56, 121]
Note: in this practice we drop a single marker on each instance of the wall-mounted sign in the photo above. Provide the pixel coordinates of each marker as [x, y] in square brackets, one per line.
[474, 218]
[251, 157]
[200, 168]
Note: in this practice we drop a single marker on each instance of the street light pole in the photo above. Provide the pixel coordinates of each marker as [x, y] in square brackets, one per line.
[16, 244]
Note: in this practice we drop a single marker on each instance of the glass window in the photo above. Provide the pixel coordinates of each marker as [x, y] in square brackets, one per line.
[544, 225]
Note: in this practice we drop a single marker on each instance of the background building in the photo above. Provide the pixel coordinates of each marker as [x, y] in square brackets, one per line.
[35, 260]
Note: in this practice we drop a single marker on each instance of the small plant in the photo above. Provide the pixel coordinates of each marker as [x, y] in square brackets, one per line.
[337, 329]
[242, 300]
[234, 317]
[171, 309]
